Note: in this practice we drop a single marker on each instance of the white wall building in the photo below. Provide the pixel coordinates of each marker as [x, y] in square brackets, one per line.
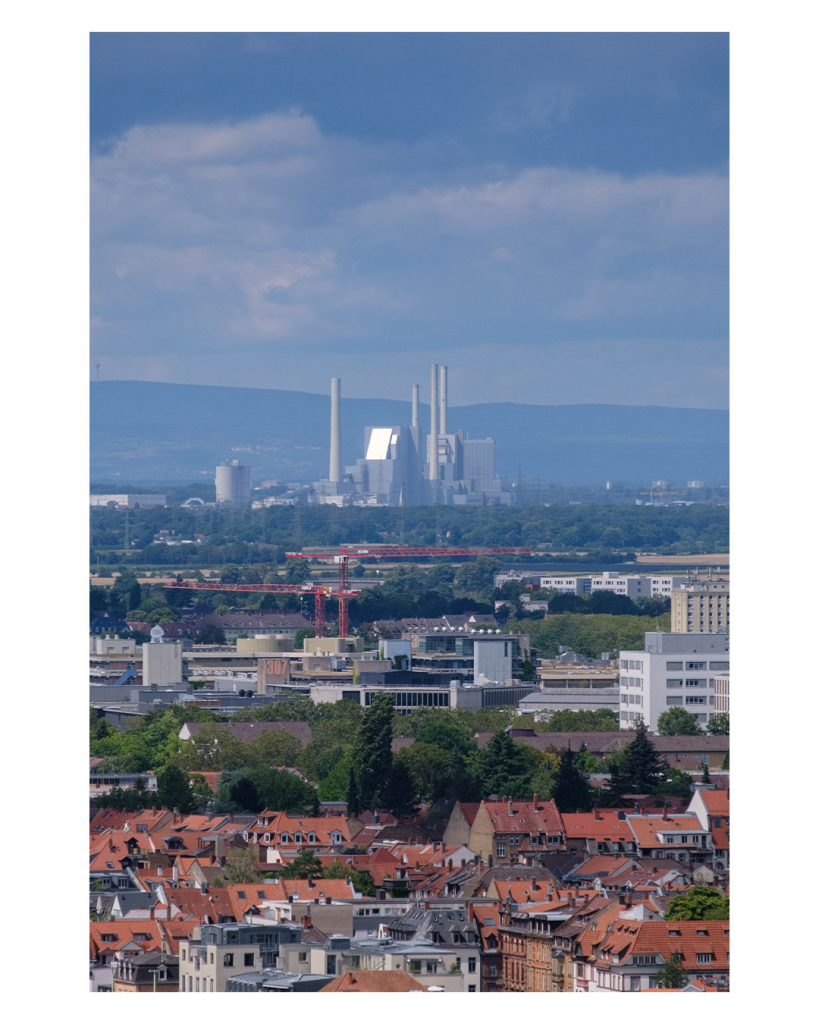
[143, 500]
[162, 664]
[675, 670]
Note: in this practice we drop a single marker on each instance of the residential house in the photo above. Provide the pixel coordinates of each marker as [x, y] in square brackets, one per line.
[503, 829]
[628, 955]
[146, 972]
[222, 950]
[712, 809]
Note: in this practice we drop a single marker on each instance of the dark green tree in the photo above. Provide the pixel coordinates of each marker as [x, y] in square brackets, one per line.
[718, 725]
[174, 790]
[700, 903]
[400, 791]
[298, 639]
[706, 775]
[641, 768]
[571, 790]
[503, 768]
[245, 795]
[372, 751]
[677, 722]
[672, 975]
[212, 634]
[304, 865]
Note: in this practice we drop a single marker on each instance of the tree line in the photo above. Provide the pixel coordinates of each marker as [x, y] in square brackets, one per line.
[263, 535]
[350, 757]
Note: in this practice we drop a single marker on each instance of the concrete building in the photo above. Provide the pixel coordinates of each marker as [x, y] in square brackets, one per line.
[221, 951]
[163, 664]
[233, 484]
[143, 500]
[701, 608]
[631, 585]
[409, 692]
[543, 703]
[721, 690]
[674, 670]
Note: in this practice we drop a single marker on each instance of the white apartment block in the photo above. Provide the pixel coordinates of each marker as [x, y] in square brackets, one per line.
[636, 586]
[701, 608]
[721, 692]
[674, 670]
[628, 584]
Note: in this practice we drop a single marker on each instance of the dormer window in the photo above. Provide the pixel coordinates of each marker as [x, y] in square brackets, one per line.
[285, 837]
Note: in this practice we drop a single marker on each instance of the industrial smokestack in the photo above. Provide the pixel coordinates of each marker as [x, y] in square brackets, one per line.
[442, 427]
[415, 389]
[335, 430]
[433, 424]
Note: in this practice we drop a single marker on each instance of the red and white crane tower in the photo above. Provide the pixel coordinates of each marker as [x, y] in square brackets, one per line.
[318, 591]
[342, 555]
[342, 593]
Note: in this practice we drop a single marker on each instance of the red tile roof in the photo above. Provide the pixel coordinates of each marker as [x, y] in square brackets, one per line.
[374, 981]
[524, 817]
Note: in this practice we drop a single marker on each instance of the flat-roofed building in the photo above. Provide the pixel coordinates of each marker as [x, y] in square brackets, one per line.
[701, 608]
[674, 670]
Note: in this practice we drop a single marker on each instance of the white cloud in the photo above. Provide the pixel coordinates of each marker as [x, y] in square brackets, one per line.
[270, 232]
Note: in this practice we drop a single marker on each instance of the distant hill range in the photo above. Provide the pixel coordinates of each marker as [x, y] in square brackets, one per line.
[143, 431]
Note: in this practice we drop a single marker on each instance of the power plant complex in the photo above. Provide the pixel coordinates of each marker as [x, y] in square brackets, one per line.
[402, 465]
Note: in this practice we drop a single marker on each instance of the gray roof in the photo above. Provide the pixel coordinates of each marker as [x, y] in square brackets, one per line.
[419, 925]
[248, 731]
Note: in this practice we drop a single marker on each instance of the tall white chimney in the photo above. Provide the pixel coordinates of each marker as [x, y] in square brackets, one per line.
[442, 427]
[335, 430]
[415, 389]
[433, 424]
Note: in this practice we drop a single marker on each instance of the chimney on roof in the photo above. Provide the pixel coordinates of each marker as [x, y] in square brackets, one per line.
[152, 913]
[490, 860]
[510, 805]
[597, 815]
[449, 864]
[665, 812]
[534, 801]
[231, 816]
[110, 844]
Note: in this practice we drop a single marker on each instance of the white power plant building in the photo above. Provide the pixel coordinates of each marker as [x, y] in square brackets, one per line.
[233, 484]
[404, 466]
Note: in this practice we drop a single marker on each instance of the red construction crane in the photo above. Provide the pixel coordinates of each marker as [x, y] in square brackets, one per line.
[318, 591]
[342, 557]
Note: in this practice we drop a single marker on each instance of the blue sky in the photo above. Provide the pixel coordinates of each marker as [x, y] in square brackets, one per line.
[545, 213]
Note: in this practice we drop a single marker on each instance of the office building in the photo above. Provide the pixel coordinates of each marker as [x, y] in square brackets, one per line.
[674, 670]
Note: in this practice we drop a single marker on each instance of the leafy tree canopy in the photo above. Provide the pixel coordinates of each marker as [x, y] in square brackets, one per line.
[700, 903]
[677, 722]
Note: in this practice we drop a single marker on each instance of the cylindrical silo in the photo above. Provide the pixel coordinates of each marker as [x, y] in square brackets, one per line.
[233, 484]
